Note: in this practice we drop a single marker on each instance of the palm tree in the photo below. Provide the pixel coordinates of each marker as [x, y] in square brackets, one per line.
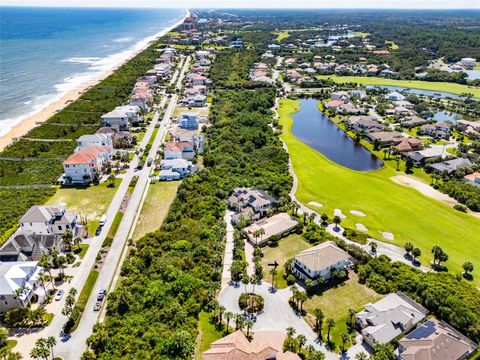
[228, 316]
[337, 221]
[77, 241]
[44, 279]
[249, 325]
[467, 267]
[111, 180]
[273, 272]
[330, 326]
[318, 321]
[344, 338]
[312, 217]
[291, 332]
[324, 218]
[408, 247]
[361, 356]
[239, 322]
[40, 351]
[50, 342]
[302, 297]
[18, 292]
[46, 263]
[416, 253]
[67, 239]
[301, 340]
[373, 247]
[261, 232]
[351, 318]
[3, 336]
[245, 280]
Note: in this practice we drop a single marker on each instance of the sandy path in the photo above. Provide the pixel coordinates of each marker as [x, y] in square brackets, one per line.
[44, 114]
[429, 191]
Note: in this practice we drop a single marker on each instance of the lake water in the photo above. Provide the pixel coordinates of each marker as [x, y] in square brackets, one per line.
[316, 130]
[444, 115]
[438, 94]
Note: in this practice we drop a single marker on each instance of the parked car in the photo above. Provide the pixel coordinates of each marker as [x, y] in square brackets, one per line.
[97, 306]
[59, 295]
[98, 231]
[103, 220]
[101, 294]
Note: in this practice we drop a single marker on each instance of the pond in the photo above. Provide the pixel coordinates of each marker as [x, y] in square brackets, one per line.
[440, 116]
[438, 94]
[316, 130]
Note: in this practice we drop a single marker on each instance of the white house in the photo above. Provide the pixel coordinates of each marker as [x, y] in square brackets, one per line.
[103, 153]
[178, 150]
[15, 276]
[202, 54]
[393, 315]
[95, 140]
[181, 166]
[395, 96]
[189, 120]
[81, 168]
[48, 220]
[115, 117]
[320, 260]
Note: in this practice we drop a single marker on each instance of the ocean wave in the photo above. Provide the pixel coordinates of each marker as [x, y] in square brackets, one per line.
[81, 60]
[123, 39]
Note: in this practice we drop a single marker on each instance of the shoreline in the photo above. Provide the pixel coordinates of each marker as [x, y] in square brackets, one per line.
[31, 121]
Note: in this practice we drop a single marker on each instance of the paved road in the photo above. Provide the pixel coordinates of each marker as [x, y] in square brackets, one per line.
[74, 347]
[228, 256]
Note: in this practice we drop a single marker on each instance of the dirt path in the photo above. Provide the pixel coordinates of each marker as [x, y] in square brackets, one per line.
[429, 191]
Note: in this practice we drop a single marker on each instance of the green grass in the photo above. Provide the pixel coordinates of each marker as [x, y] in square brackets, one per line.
[286, 249]
[207, 333]
[92, 227]
[159, 198]
[335, 303]
[154, 135]
[389, 206]
[11, 344]
[282, 35]
[361, 34]
[92, 201]
[115, 224]
[415, 84]
[392, 45]
[83, 250]
[87, 290]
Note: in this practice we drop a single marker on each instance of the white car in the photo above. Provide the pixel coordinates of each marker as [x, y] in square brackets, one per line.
[59, 295]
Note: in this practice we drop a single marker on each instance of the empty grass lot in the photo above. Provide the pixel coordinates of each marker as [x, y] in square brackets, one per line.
[415, 84]
[92, 201]
[207, 333]
[335, 303]
[391, 207]
[159, 198]
[287, 248]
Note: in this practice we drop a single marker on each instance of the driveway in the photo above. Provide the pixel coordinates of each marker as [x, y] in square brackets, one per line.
[277, 313]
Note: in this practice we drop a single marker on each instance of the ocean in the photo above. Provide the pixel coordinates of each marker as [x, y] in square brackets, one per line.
[47, 52]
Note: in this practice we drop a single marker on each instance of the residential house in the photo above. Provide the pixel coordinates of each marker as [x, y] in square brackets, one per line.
[198, 100]
[439, 130]
[276, 225]
[364, 123]
[293, 75]
[81, 168]
[54, 219]
[178, 150]
[103, 153]
[340, 95]
[407, 144]
[361, 94]
[452, 165]
[382, 52]
[435, 340]
[473, 179]
[189, 120]
[349, 108]
[429, 153]
[15, 277]
[320, 260]
[250, 203]
[163, 70]
[180, 166]
[265, 345]
[195, 79]
[119, 138]
[122, 116]
[392, 316]
[395, 96]
[412, 121]
[384, 137]
[95, 140]
[29, 246]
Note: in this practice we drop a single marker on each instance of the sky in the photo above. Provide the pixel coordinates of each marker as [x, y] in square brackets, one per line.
[422, 4]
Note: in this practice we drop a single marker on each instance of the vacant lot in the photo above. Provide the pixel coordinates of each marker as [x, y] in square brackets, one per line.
[415, 84]
[388, 206]
[92, 201]
[159, 197]
[335, 303]
[207, 333]
[287, 248]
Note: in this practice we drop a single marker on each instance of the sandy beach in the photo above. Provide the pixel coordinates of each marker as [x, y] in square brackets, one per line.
[44, 114]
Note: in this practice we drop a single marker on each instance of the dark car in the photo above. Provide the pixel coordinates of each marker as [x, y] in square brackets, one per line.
[98, 231]
[101, 294]
[97, 306]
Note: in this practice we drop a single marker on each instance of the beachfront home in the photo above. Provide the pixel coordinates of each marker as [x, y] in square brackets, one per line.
[265, 344]
[276, 225]
[122, 116]
[18, 284]
[81, 168]
[54, 219]
[28, 246]
[95, 140]
[178, 150]
[435, 340]
[189, 121]
[320, 260]
[393, 315]
[103, 153]
[119, 138]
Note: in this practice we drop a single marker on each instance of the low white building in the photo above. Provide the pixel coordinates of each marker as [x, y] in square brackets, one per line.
[81, 168]
[15, 276]
[180, 166]
[95, 140]
[320, 260]
[54, 219]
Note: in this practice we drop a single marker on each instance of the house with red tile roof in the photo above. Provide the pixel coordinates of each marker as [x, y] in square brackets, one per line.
[80, 168]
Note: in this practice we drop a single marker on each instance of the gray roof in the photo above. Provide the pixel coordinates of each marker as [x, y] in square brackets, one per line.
[38, 213]
[452, 165]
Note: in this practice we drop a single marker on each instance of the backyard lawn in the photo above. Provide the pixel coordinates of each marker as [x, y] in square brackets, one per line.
[335, 303]
[201, 111]
[92, 201]
[389, 207]
[207, 333]
[415, 84]
[287, 248]
[159, 198]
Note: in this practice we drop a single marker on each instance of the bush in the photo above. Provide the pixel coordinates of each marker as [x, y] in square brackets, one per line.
[460, 208]
[291, 279]
[251, 303]
[356, 236]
